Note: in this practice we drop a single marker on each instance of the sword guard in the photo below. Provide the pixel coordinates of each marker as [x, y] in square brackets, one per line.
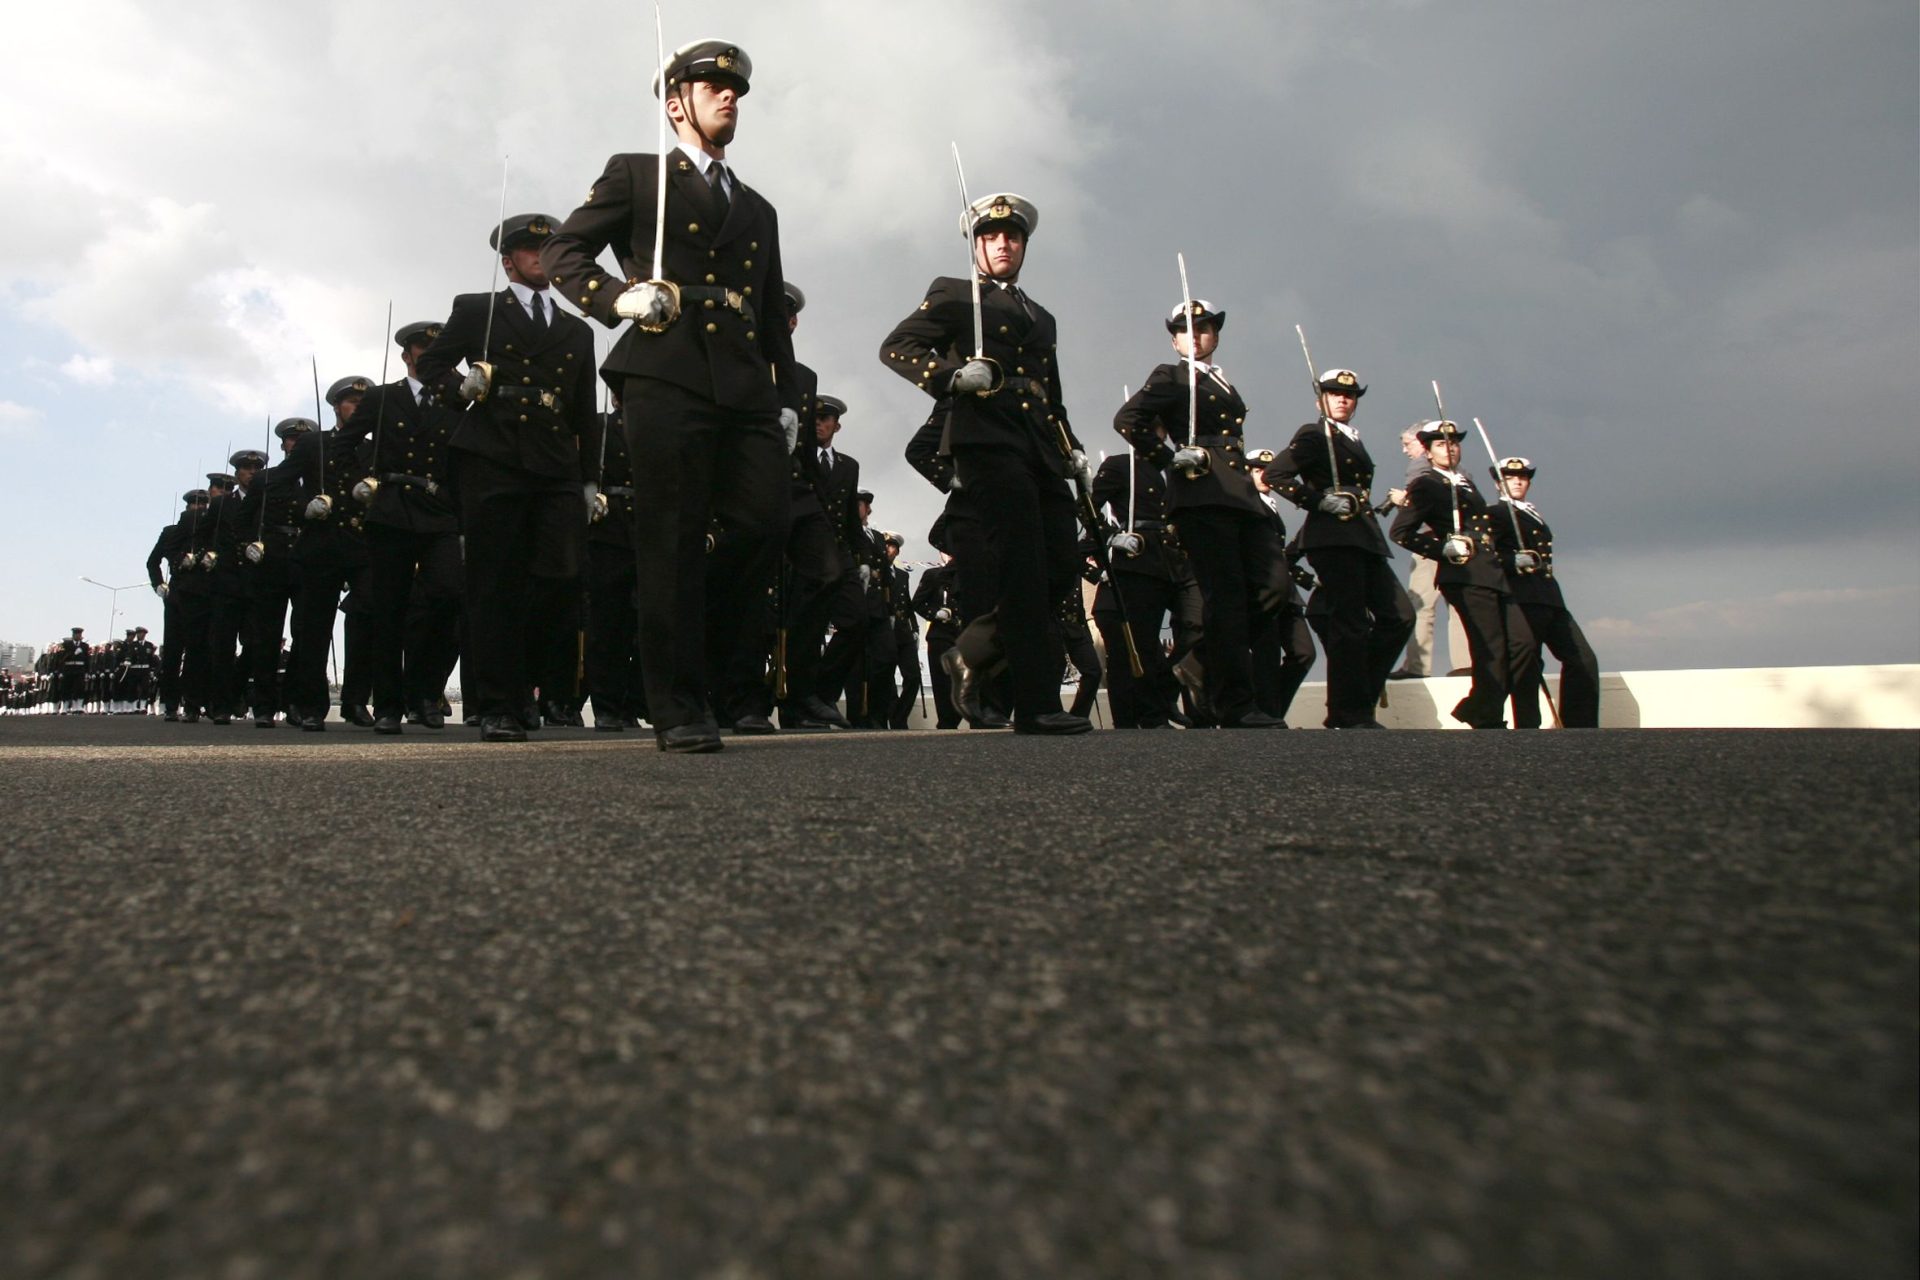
[673, 295]
[999, 376]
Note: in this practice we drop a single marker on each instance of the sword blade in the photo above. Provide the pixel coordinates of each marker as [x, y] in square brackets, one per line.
[973, 272]
[660, 198]
[1193, 354]
[493, 281]
[1320, 399]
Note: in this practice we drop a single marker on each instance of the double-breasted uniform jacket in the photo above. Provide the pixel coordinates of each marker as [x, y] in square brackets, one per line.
[804, 462]
[839, 489]
[1302, 473]
[937, 591]
[614, 475]
[1026, 413]
[541, 403]
[906, 623]
[924, 453]
[1152, 516]
[408, 438]
[329, 463]
[1426, 522]
[230, 524]
[730, 344]
[278, 488]
[1539, 587]
[169, 548]
[1163, 401]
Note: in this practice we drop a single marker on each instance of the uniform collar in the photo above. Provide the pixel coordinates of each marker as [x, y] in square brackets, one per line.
[524, 295]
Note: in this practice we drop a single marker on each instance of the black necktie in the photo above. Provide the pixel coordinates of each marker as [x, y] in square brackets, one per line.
[716, 173]
[539, 314]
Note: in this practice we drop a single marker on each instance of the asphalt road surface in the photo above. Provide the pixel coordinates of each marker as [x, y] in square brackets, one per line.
[955, 1005]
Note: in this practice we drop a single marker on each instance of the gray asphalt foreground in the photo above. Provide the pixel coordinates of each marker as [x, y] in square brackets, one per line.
[1196, 1005]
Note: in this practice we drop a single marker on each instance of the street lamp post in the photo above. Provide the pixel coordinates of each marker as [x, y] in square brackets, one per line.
[113, 602]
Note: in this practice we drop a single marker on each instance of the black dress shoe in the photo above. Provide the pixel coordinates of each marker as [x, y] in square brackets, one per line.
[387, 724]
[501, 729]
[1054, 723]
[1361, 724]
[1252, 720]
[1401, 673]
[172, 714]
[357, 715]
[818, 708]
[314, 724]
[609, 724]
[689, 739]
[263, 720]
[988, 718]
[470, 720]
[754, 723]
[222, 718]
[429, 716]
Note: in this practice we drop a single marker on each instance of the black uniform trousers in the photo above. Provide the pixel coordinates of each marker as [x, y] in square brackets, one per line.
[226, 621]
[1237, 559]
[415, 583]
[1282, 655]
[1506, 661]
[1365, 625]
[1143, 703]
[356, 638]
[945, 714]
[817, 567]
[906, 660]
[1077, 639]
[1579, 668]
[696, 464]
[326, 561]
[195, 612]
[844, 660]
[272, 591]
[613, 631]
[524, 535]
[1029, 559]
[170, 647]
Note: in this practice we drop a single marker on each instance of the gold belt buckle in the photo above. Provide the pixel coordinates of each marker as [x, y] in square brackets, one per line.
[547, 400]
[735, 299]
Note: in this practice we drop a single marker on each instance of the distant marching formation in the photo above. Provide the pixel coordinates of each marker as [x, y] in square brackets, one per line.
[682, 542]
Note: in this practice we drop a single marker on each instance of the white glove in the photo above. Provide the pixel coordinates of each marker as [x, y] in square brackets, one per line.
[596, 502]
[209, 558]
[256, 552]
[866, 574]
[364, 490]
[646, 303]
[1127, 544]
[1338, 504]
[790, 424]
[478, 382]
[974, 375]
[1190, 461]
[943, 615]
[1457, 549]
[1082, 469]
[160, 589]
[1525, 561]
[320, 508]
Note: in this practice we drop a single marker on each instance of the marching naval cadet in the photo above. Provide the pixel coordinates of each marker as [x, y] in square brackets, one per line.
[1447, 520]
[138, 665]
[519, 475]
[1224, 527]
[1526, 552]
[170, 548]
[276, 525]
[414, 571]
[70, 667]
[1012, 448]
[857, 612]
[906, 635]
[825, 536]
[710, 390]
[329, 554]
[1326, 471]
[196, 595]
[232, 580]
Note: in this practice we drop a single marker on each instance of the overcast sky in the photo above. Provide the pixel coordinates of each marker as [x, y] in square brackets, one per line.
[1672, 253]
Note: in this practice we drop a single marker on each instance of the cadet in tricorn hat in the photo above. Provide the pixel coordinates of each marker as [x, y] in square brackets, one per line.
[523, 492]
[709, 431]
[1526, 553]
[1326, 471]
[1447, 520]
[1013, 451]
[415, 578]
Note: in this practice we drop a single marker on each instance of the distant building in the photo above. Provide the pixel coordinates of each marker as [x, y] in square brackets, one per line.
[17, 657]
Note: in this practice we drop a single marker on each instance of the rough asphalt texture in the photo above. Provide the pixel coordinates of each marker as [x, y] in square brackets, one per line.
[1195, 1005]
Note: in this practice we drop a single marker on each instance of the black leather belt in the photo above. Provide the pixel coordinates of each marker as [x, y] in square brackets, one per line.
[1026, 387]
[618, 491]
[533, 395]
[710, 296]
[425, 484]
[1219, 440]
[291, 531]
